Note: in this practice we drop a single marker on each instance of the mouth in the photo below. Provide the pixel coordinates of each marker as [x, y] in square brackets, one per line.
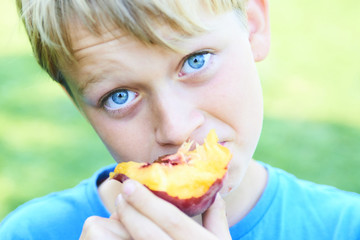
[222, 143]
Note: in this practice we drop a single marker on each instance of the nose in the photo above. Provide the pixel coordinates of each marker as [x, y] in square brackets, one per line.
[175, 119]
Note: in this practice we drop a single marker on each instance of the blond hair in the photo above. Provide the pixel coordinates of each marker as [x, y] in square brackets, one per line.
[47, 22]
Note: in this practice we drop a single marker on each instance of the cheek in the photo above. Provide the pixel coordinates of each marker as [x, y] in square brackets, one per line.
[244, 107]
[237, 98]
[125, 140]
[234, 94]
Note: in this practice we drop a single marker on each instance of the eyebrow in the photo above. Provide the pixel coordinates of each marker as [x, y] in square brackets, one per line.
[100, 73]
[92, 80]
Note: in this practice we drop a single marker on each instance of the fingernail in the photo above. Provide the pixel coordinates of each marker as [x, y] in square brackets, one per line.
[128, 187]
[119, 200]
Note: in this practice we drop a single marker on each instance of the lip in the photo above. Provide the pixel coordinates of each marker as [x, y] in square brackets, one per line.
[222, 143]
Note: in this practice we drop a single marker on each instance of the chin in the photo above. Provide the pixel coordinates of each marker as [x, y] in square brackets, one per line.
[236, 173]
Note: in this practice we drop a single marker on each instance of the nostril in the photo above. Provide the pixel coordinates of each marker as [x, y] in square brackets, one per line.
[166, 137]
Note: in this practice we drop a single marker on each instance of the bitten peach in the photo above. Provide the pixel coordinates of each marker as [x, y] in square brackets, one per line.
[187, 179]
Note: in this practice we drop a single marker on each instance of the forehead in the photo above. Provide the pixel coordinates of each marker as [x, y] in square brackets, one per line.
[95, 53]
[163, 35]
[82, 37]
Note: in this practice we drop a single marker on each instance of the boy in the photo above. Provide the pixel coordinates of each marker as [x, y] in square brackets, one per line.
[154, 74]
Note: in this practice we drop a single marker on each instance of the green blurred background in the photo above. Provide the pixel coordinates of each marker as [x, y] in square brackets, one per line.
[311, 83]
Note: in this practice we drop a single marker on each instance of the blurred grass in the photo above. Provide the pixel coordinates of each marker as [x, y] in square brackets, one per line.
[311, 83]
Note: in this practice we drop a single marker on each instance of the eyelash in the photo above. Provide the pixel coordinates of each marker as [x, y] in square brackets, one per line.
[103, 101]
[207, 54]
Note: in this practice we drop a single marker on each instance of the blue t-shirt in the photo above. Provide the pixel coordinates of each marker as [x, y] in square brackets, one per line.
[289, 208]
[59, 215]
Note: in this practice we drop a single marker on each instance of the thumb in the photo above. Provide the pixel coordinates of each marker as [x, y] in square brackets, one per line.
[214, 219]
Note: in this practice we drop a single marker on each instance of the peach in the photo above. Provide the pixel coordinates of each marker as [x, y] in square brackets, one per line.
[188, 179]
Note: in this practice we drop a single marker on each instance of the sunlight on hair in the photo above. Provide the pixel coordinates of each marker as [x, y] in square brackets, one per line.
[50, 39]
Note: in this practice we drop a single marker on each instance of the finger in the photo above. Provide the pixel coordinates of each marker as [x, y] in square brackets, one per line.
[115, 216]
[169, 218]
[215, 220]
[138, 225]
[103, 228]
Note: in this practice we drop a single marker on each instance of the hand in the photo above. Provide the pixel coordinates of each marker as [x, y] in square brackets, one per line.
[146, 216]
[141, 215]
[104, 228]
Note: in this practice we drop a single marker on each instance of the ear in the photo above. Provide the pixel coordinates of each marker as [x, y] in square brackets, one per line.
[259, 28]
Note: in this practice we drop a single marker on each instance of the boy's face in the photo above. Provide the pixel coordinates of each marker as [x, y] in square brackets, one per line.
[145, 101]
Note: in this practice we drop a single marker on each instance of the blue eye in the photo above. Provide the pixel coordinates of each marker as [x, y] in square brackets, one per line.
[119, 99]
[195, 62]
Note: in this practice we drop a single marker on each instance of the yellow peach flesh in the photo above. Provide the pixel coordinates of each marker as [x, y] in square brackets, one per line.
[191, 178]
